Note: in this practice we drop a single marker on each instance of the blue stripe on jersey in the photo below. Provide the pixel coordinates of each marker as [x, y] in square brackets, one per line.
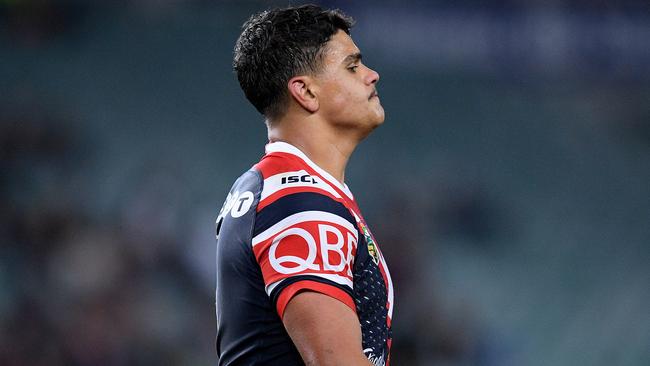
[298, 202]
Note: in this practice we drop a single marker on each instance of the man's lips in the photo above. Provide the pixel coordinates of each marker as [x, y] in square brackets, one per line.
[373, 94]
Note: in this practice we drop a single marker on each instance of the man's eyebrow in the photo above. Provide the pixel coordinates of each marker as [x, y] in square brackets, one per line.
[355, 57]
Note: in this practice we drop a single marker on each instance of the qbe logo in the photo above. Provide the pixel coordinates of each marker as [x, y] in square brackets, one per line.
[296, 250]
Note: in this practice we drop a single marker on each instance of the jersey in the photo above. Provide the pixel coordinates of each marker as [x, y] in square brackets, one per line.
[288, 226]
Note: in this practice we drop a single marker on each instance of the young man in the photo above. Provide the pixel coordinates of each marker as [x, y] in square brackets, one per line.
[300, 278]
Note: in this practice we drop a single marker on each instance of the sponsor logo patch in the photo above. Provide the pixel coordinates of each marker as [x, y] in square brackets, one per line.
[305, 178]
[317, 243]
[237, 204]
[372, 247]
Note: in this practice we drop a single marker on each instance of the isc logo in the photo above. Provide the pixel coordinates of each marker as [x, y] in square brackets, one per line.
[299, 178]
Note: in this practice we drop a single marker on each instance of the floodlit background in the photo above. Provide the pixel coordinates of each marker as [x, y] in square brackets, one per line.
[509, 187]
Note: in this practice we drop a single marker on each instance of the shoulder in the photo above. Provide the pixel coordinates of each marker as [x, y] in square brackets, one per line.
[304, 235]
[243, 195]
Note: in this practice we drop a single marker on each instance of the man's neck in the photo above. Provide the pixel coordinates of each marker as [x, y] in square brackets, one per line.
[328, 148]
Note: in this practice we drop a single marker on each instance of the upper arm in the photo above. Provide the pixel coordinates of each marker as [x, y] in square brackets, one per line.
[324, 330]
[305, 242]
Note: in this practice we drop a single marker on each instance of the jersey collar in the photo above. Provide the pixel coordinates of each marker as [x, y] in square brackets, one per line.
[284, 147]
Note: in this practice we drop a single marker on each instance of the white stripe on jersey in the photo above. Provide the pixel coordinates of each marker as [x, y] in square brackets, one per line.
[304, 216]
[288, 148]
[328, 276]
[391, 295]
[274, 184]
[272, 286]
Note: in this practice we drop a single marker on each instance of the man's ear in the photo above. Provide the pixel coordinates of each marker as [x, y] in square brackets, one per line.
[301, 89]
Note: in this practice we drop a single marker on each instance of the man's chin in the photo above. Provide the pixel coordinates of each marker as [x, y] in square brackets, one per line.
[374, 123]
[379, 120]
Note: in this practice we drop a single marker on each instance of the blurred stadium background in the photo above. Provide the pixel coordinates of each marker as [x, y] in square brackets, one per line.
[509, 187]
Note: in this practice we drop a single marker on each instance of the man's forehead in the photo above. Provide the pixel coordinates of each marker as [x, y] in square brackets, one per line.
[340, 46]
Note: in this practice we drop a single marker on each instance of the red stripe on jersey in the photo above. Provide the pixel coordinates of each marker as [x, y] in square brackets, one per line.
[306, 285]
[274, 163]
[312, 247]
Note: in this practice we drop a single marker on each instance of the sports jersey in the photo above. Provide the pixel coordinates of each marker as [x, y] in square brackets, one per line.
[288, 226]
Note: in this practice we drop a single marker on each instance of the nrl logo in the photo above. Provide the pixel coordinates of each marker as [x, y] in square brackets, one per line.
[372, 247]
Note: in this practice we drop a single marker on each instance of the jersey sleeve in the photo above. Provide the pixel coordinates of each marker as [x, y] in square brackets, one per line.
[306, 241]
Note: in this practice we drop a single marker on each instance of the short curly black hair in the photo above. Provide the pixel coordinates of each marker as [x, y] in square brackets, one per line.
[278, 44]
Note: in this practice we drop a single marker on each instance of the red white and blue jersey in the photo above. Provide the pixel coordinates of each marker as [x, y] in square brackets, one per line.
[288, 226]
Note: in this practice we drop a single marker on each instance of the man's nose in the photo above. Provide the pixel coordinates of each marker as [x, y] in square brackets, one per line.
[373, 76]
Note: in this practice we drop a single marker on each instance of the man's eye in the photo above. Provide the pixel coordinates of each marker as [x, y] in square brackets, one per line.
[353, 68]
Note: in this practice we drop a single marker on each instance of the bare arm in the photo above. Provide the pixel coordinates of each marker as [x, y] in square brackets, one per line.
[325, 331]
